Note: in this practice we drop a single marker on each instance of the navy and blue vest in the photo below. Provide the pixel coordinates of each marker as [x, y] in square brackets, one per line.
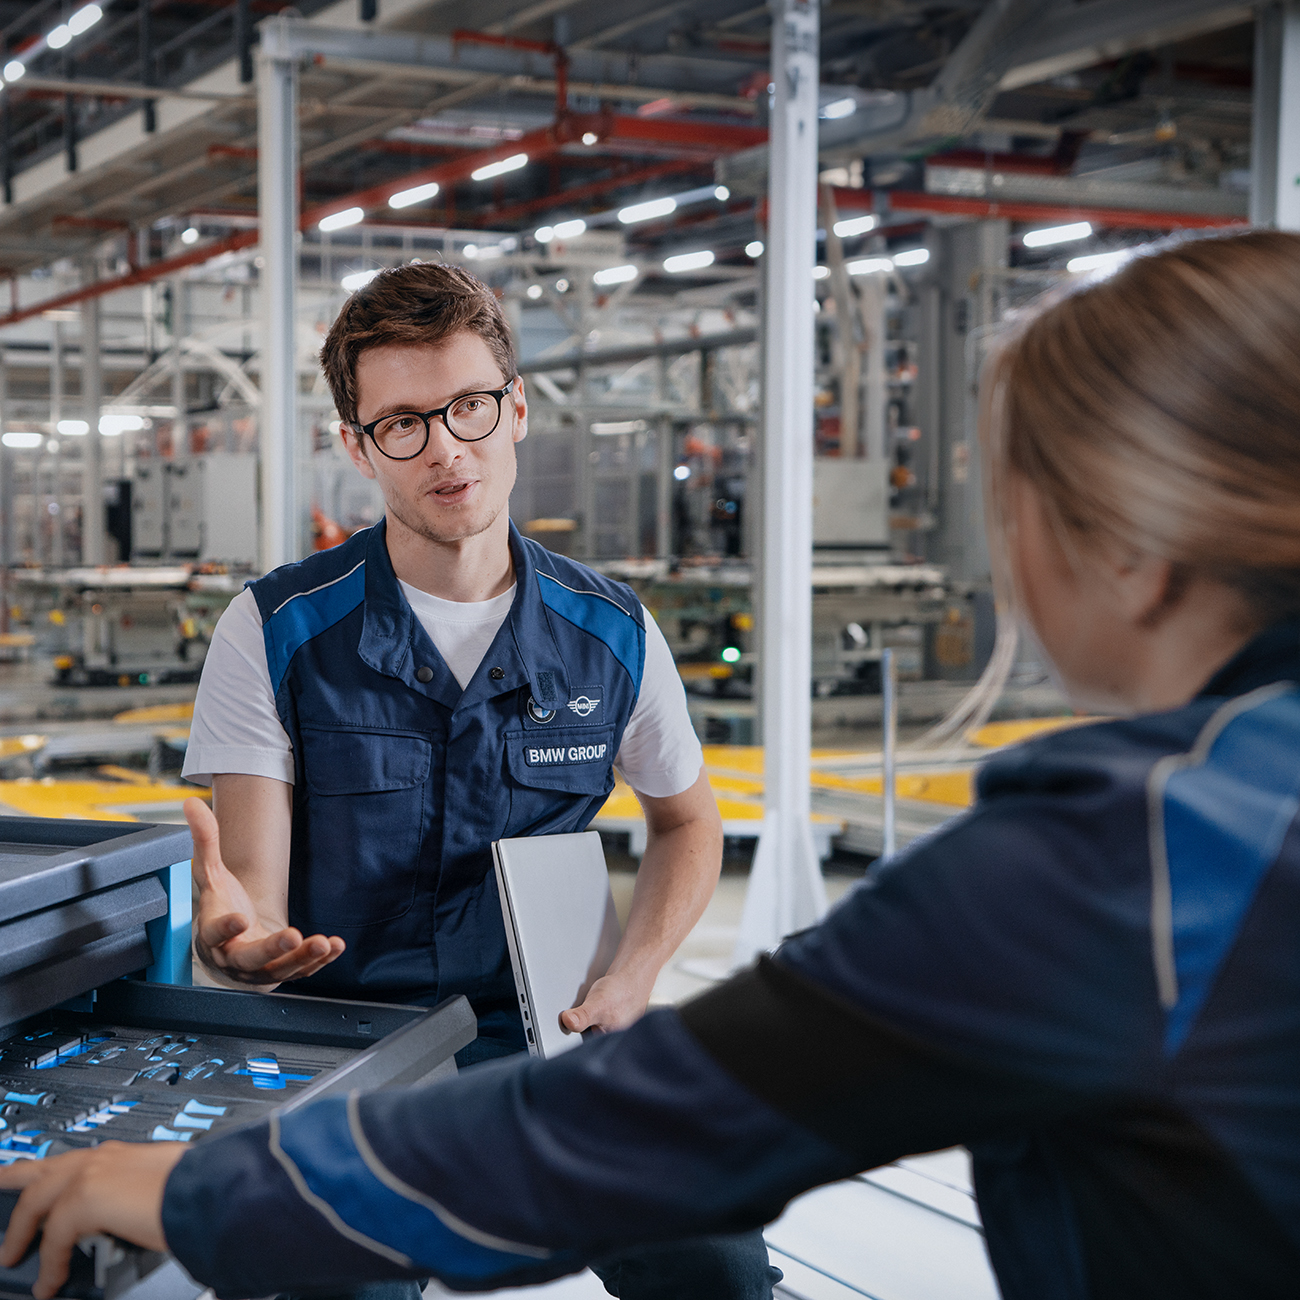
[403, 780]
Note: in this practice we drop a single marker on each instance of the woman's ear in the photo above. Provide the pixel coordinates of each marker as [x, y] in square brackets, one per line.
[1147, 587]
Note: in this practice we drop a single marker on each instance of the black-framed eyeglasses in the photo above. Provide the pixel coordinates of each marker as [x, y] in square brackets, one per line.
[405, 434]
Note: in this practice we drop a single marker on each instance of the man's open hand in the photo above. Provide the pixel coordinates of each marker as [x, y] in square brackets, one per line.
[114, 1188]
[229, 936]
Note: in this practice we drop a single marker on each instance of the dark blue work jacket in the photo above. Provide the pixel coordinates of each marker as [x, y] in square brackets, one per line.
[402, 780]
[1091, 979]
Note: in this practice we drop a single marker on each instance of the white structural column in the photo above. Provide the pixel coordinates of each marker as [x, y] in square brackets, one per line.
[277, 204]
[1275, 134]
[92, 465]
[786, 891]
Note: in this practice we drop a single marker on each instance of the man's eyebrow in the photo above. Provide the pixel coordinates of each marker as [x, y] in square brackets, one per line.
[478, 386]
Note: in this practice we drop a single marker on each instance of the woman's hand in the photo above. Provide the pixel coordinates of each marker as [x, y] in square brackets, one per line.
[114, 1188]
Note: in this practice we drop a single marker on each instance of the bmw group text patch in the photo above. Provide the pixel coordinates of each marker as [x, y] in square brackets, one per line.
[563, 755]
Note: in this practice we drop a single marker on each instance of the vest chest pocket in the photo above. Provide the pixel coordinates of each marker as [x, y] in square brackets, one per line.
[363, 815]
[557, 778]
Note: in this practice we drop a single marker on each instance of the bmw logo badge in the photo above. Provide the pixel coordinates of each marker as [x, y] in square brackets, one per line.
[537, 713]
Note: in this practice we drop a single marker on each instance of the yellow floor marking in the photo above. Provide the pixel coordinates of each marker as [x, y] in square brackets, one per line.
[156, 713]
[92, 800]
[954, 788]
[16, 746]
[996, 734]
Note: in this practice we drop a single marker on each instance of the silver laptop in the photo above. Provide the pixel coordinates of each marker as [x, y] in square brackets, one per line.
[560, 925]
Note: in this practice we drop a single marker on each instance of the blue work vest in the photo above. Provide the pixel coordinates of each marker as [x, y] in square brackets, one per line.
[403, 780]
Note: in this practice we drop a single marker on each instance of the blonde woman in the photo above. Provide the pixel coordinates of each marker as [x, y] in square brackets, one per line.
[1092, 979]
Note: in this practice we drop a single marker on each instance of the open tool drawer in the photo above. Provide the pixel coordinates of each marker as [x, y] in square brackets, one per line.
[94, 1050]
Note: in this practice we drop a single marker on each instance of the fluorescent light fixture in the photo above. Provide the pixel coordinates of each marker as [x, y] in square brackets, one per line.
[189, 235]
[417, 194]
[570, 229]
[84, 19]
[688, 262]
[487, 251]
[113, 426]
[647, 211]
[14, 70]
[544, 234]
[754, 248]
[608, 428]
[721, 193]
[358, 279]
[73, 428]
[682, 473]
[912, 257]
[589, 138]
[59, 37]
[615, 275]
[1050, 235]
[337, 220]
[840, 108]
[470, 250]
[535, 291]
[511, 164]
[821, 272]
[1100, 261]
[22, 439]
[855, 226]
[869, 266]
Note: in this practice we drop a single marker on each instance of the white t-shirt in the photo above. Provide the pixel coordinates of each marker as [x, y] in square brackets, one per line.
[237, 728]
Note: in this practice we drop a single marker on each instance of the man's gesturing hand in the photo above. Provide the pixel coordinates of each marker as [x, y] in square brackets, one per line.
[114, 1188]
[229, 936]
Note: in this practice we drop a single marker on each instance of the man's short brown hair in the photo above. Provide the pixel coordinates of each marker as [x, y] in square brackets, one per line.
[425, 302]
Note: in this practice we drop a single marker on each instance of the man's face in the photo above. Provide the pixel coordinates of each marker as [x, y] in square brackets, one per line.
[452, 490]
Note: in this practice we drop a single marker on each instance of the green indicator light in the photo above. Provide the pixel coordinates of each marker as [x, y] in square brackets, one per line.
[730, 655]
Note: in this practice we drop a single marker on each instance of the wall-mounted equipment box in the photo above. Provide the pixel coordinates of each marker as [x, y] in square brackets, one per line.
[850, 503]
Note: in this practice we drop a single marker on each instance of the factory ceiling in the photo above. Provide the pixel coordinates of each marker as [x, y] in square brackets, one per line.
[123, 121]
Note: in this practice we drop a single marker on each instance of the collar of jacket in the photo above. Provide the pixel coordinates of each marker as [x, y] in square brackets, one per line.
[1272, 656]
[525, 648]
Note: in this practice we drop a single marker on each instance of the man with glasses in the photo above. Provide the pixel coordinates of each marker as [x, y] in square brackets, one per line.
[373, 717]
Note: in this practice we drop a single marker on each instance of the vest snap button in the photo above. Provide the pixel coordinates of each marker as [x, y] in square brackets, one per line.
[497, 674]
[424, 674]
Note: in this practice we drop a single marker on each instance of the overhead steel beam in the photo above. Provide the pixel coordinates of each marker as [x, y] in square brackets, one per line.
[123, 90]
[638, 352]
[905, 201]
[1073, 36]
[464, 58]
[1013, 43]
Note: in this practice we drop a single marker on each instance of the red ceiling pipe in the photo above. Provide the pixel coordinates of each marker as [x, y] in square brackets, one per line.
[1114, 218]
[154, 271]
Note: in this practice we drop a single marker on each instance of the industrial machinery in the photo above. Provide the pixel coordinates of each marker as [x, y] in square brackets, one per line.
[103, 1038]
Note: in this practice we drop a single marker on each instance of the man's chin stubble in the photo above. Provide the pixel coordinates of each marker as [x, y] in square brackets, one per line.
[455, 531]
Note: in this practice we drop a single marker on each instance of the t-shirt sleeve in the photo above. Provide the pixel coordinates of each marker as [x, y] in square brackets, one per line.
[660, 755]
[236, 726]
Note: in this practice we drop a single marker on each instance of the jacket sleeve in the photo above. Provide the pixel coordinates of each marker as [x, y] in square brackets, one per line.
[523, 1170]
[976, 988]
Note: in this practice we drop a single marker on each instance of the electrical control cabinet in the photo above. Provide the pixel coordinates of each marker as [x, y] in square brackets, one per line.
[95, 1045]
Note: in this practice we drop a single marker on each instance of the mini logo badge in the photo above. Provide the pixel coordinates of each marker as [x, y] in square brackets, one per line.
[584, 703]
[539, 714]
